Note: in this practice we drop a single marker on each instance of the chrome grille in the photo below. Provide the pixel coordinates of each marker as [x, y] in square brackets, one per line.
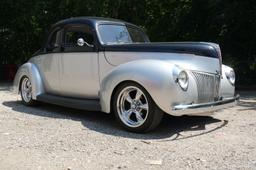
[208, 86]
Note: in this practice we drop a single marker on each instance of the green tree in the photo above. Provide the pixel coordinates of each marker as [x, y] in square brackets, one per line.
[231, 23]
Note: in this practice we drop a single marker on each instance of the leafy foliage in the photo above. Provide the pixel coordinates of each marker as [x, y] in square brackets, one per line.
[231, 23]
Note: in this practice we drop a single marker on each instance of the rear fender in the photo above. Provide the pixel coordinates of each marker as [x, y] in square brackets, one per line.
[31, 71]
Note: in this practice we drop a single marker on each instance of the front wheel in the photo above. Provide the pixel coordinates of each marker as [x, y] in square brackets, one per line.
[26, 92]
[135, 109]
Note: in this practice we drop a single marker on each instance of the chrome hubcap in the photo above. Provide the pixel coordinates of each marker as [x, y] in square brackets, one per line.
[26, 90]
[132, 106]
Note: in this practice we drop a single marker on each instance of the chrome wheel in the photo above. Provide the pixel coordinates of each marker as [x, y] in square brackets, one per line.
[26, 90]
[132, 106]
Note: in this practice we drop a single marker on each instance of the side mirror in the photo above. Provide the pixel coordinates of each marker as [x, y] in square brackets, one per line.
[80, 42]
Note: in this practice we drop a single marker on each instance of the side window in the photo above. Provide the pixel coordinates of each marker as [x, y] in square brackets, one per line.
[73, 33]
[136, 35]
[54, 41]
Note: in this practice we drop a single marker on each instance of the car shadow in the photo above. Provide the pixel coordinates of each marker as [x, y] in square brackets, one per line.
[170, 128]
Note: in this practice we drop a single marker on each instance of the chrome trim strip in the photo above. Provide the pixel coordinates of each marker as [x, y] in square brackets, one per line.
[205, 108]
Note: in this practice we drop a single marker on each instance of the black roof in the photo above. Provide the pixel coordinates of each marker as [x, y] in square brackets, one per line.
[92, 21]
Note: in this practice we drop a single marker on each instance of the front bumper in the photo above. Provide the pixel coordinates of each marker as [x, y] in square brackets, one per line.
[205, 108]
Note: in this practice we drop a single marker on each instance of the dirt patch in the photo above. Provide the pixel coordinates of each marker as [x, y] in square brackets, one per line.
[52, 137]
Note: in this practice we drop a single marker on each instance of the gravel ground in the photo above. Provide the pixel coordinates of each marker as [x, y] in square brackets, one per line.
[52, 137]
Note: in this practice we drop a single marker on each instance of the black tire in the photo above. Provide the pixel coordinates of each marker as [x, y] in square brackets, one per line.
[154, 115]
[26, 102]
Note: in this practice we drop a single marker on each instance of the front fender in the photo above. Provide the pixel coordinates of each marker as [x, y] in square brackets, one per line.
[226, 88]
[156, 76]
[31, 71]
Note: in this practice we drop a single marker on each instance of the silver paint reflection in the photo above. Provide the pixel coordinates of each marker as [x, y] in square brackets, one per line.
[96, 75]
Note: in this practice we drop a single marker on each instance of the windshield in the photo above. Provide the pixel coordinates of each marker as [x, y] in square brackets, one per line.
[120, 34]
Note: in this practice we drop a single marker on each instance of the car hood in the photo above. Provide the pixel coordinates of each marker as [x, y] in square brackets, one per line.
[204, 57]
[211, 50]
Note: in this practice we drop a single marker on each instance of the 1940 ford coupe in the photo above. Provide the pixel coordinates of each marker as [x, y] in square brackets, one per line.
[109, 65]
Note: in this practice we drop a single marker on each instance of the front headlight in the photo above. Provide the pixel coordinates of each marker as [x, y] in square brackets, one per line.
[182, 80]
[230, 74]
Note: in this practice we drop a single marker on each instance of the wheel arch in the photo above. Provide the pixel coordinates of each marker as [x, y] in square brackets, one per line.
[120, 84]
[31, 71]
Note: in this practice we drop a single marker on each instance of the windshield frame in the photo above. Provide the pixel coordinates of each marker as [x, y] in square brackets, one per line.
[121, 24]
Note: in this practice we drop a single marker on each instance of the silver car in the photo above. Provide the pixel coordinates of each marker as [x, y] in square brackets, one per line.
[109, 65]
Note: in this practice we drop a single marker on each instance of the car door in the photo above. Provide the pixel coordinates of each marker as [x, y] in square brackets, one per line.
[48, 63]
[79, 63]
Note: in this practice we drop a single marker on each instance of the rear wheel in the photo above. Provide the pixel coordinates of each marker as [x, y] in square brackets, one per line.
[26, 91]
[135, 109]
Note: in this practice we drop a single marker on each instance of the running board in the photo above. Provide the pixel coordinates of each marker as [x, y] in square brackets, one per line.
[83, 104]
